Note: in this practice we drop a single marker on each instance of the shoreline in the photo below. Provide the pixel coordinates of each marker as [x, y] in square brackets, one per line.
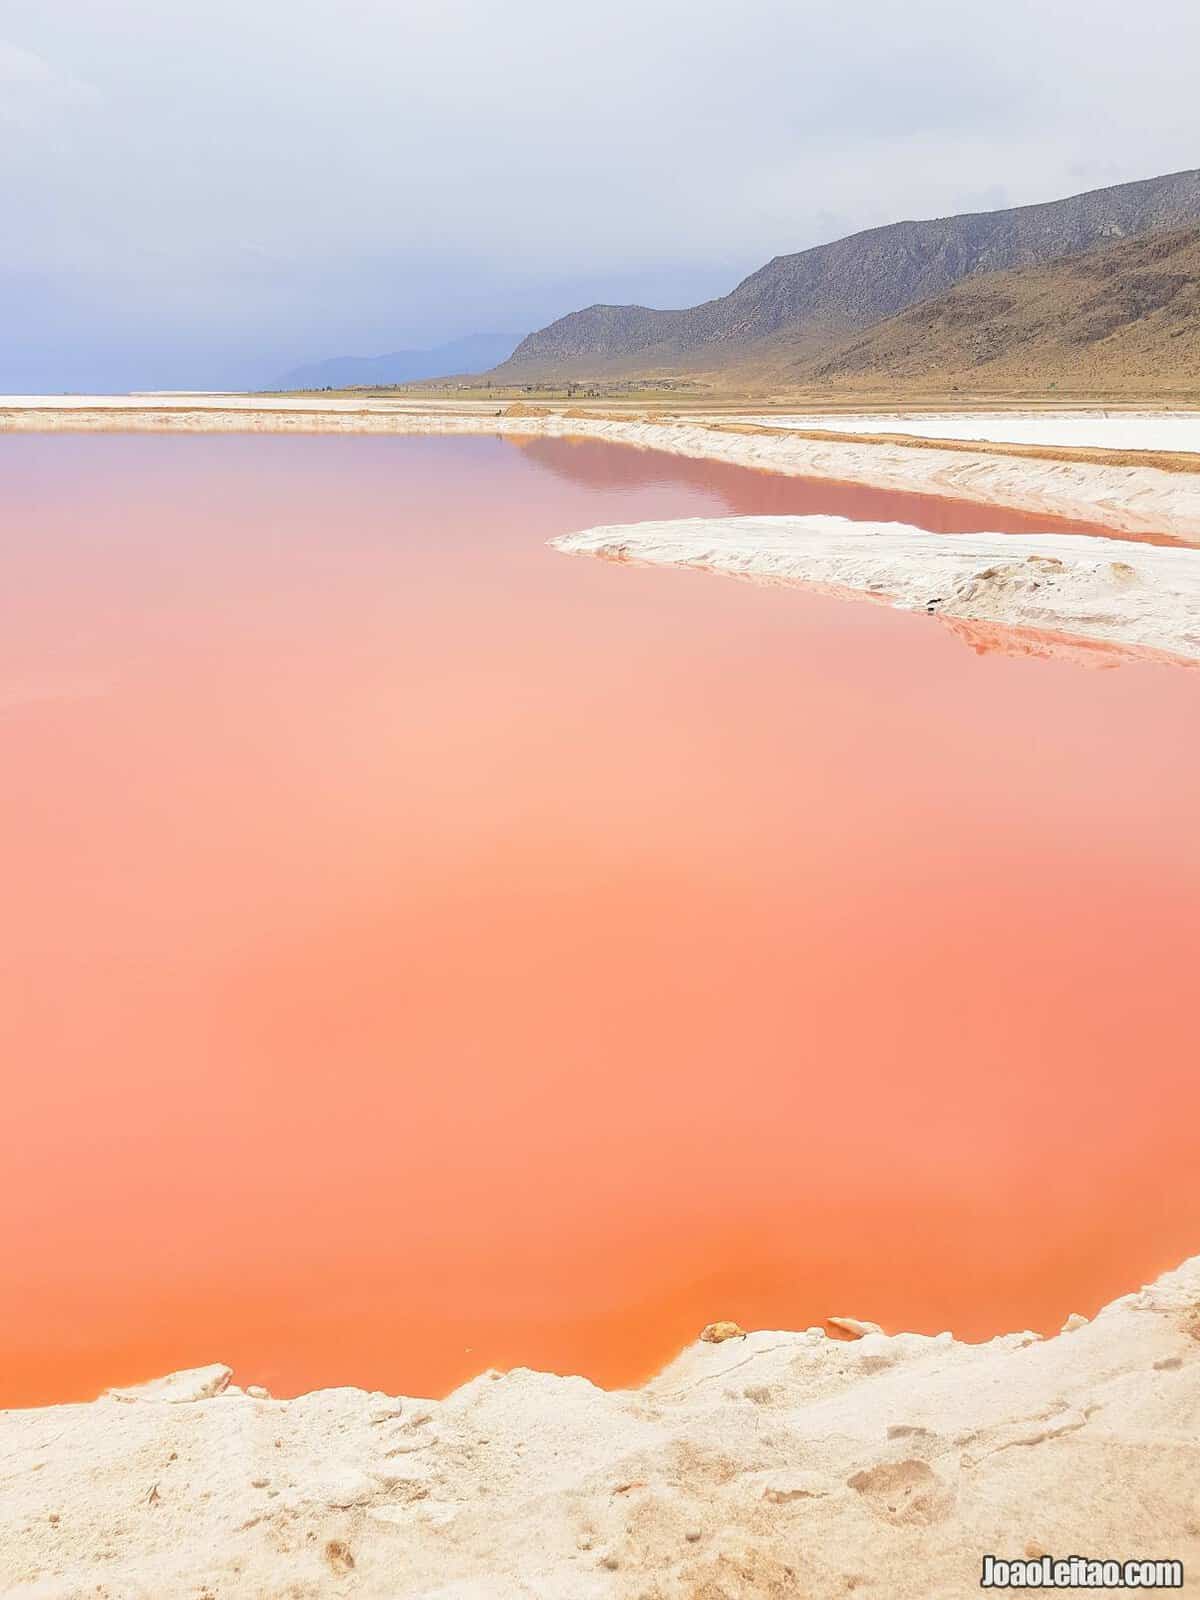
[1114, 489]
[1142, 599]
[765, 1463]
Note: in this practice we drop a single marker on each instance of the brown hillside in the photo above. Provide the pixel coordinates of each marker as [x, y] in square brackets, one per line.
[1126, 315]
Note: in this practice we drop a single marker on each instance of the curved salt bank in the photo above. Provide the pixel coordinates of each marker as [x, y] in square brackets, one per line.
[1088, 588]
[1129, 499]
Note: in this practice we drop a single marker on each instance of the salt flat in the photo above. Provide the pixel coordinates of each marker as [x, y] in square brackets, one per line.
[1091, 429]
[207, 402]
[1094, 429]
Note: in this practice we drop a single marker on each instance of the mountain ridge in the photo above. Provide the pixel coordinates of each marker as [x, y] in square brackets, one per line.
[1123, 313]
[818, 296]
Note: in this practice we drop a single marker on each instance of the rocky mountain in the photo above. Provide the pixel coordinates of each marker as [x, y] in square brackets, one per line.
[815, 298]
[475, 353]
[1122, 315]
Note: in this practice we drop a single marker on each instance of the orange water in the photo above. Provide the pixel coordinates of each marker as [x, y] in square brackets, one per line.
[424, 951]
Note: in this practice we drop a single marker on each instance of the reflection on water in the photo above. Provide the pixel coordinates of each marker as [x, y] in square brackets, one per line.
[756, 493]
[991, 638]
[426, 951]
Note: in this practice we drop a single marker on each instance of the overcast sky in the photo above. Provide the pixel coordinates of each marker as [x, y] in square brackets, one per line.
[208, 192]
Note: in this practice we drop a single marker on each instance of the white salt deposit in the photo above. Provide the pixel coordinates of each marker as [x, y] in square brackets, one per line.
[771, 1465]
[1088, 588]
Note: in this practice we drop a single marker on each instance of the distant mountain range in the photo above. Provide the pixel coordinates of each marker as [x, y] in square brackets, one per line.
[796, 317]
[475, 353]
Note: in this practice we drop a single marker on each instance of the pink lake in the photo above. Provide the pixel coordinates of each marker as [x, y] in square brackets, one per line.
[425, 951]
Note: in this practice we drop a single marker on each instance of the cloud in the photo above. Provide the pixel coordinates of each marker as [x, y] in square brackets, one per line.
[34, 94]
[216, 183]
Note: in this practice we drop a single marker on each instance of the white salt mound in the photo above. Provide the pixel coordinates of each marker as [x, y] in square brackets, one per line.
[1112, 590]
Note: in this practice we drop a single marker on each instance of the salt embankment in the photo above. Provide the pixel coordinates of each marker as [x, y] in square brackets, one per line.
[1134, 595]
[1121, 492]
[770, 1465]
